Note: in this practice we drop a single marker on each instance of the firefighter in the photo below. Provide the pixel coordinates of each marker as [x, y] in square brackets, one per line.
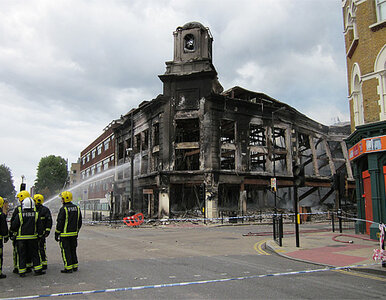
[3, 235]
[45, 217]
[68, 224]
[12, 235]
[28, 228]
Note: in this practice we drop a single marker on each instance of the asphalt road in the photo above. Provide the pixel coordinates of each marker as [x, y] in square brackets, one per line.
[184, 262]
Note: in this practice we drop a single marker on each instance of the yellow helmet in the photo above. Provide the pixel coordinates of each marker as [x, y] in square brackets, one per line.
[66, 196]
[22, 195]
[39, 199]
[1, 202]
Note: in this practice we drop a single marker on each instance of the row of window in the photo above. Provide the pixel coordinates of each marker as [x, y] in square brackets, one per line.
[98, 168]
[104, 146]
[357, 93]
[140, 143]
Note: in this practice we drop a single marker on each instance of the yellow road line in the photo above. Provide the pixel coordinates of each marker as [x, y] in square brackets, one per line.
[361, 275]
[259, 249]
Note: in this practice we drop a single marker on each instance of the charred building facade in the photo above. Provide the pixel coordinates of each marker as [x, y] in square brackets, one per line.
[198, 148]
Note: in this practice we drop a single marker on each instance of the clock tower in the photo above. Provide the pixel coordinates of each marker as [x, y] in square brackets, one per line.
[191, 75]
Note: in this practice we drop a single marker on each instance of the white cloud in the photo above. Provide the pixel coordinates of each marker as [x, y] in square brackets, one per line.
[70, 67]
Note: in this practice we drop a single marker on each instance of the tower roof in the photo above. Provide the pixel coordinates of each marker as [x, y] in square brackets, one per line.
[191, 25]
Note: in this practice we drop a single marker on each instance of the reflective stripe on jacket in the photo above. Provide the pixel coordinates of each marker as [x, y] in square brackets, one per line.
[69, 220]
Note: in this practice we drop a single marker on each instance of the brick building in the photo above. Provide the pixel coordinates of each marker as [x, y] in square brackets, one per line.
[96, 172]
[365, 37]
[198, 148]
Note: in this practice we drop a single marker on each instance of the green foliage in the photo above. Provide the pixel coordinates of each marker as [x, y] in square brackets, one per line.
[7, 189]
[51, 175]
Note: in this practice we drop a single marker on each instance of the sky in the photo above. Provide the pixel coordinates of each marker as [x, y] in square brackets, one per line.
[69, 68]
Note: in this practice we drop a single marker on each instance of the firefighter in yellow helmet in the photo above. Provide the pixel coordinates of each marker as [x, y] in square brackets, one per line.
[46, 218]
[20, 196]
[3, 235]
[68, 224]
[28, 228]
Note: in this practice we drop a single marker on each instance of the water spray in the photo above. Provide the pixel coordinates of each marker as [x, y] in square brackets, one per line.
[93, 178]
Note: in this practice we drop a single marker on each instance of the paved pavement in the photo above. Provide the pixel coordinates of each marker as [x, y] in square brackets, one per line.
[331, 249]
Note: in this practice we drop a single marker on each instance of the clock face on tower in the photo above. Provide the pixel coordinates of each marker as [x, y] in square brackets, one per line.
[189, 43]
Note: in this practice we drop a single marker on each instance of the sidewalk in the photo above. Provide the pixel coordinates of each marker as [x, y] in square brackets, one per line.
[331, 249]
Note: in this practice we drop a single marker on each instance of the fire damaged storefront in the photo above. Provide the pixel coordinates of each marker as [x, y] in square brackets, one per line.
[197, 148]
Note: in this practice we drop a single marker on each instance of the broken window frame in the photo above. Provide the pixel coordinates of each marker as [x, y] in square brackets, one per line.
[257, 135]
[227, 159]
[145, 140]
[257, 161]
[187, 130]
[227, 131]
[156, 134]
[279, 152]
[187, 159]
[137, 140]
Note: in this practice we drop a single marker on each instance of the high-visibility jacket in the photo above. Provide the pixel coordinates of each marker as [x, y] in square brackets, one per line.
[3, 228]
[69, 220]
[45, 216]
[14, 214]
[27, 225]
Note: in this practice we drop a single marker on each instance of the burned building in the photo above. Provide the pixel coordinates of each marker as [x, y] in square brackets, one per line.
[198, 148]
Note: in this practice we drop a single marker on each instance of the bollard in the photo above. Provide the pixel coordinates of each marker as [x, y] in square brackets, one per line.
[274, 227]
[340, 220]
[333, 222]
[281, 230]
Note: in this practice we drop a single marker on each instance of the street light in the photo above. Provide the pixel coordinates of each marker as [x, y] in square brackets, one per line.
[273, 151]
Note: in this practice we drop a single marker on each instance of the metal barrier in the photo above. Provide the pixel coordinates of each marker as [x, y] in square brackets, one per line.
[278, 229]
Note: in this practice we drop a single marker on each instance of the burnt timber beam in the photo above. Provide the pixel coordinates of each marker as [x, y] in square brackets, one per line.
[309, 192]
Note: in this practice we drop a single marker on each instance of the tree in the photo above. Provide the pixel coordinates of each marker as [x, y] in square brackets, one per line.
[51, 175]
[7, 189]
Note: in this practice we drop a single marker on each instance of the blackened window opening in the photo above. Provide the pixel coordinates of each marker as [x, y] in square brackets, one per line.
[145, 140]
[227, 159]
[227, 128]
[258, 161]
[187, 130]
[156, 134]
[257, 135]
[187, 159]
[137, 143]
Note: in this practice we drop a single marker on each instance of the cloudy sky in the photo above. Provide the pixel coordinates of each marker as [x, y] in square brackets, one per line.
[68, 68]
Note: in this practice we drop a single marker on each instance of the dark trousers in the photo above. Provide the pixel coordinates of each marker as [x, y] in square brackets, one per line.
[15, 254]
[68, 246]
[1, 259]
[42, 250]
[26, 249]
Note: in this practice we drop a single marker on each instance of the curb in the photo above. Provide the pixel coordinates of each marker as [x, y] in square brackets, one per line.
[367, 270]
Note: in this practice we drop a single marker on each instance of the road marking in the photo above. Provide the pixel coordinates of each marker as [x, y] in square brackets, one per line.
[259, 249]
[353, 273]
[166, 285]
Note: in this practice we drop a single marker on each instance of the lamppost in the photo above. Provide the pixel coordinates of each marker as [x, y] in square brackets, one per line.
[273, 152]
